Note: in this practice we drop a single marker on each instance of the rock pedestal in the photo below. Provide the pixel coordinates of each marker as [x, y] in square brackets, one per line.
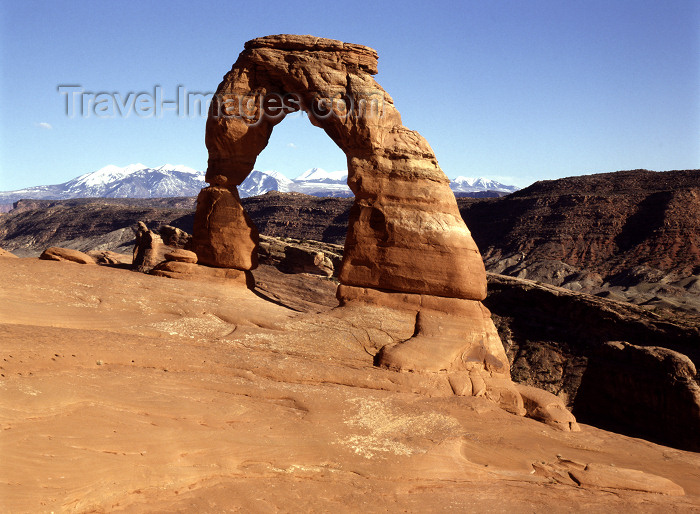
[224, 235]
[148, 248]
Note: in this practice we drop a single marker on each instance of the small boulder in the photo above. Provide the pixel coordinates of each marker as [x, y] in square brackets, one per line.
[54, 253]
[175, 237]
[545, 407]
[180, 255]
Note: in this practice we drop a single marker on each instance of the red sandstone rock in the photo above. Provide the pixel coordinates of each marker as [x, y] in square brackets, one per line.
[180, 255]
[608, 477]
[407, 247]
[148, 248]
[54, 253]
[405, 233]
[224, 235]
[446, 335]
[548, 408]
[191, 271]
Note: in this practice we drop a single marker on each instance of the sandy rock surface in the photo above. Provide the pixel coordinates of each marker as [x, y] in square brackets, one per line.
[124, 392]
[5, 253]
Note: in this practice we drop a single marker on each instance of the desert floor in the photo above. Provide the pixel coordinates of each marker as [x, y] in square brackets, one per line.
[127, 392]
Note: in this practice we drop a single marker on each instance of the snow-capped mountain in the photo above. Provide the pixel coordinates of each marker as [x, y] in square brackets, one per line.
[137, 181]
[473, 185]
[319, 182]
[260, 182]
[140, 181]
[133, 181]
[321, 175]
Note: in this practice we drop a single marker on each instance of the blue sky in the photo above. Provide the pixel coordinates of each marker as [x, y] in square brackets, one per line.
[514, 90]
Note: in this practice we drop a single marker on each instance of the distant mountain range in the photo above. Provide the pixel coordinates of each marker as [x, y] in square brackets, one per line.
[139, 181]
[473, 185]
[133, 181]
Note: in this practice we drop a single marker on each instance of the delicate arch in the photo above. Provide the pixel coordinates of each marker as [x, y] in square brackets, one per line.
[405, 231]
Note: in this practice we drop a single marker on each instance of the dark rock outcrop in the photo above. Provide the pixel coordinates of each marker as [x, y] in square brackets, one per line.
[607, 223]
[297, 256]
[89, 223]
[175, 237]
[300, 216]
[549, 332]
[645, 391]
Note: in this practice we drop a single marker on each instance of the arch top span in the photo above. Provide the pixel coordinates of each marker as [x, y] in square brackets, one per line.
[405, 231]
[361, 56]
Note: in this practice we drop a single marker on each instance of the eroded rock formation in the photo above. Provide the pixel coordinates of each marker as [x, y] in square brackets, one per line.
[405, 231]
[224, 235]
[148, 248]
[175, 237]
[407, 247]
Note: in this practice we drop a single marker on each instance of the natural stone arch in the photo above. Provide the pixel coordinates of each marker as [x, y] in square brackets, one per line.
[410, 266]
[405, 231]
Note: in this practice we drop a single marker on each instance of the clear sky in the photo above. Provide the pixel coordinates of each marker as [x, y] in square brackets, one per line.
[515, 91]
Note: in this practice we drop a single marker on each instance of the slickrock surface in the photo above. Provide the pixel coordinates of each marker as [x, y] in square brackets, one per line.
[191, 271]
[5, 253]
[125, 392]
